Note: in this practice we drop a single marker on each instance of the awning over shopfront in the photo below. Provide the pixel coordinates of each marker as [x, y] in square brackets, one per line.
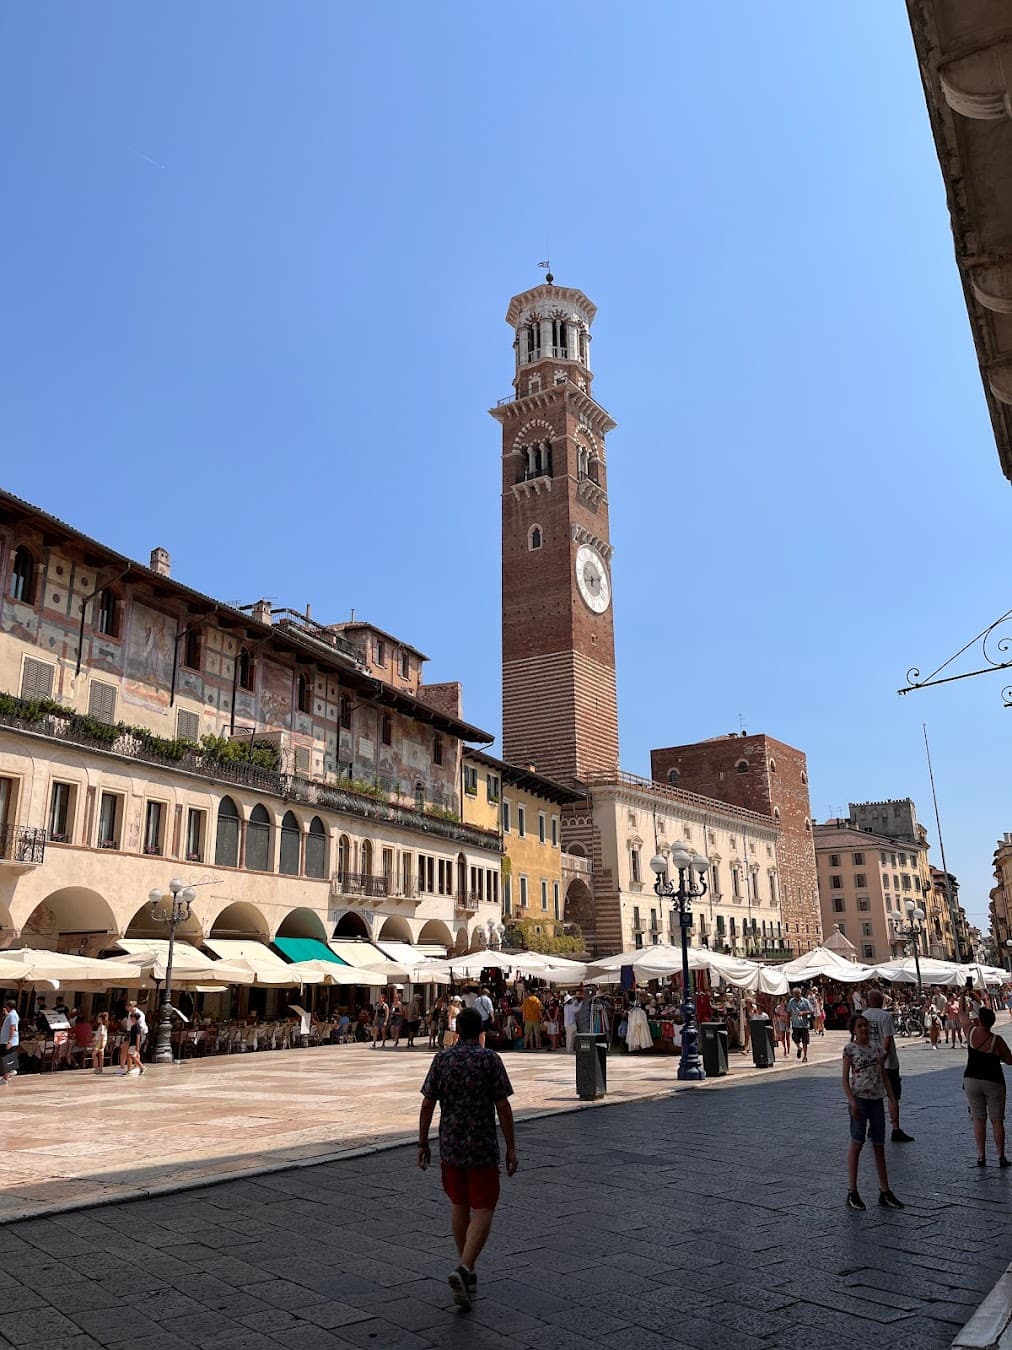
[266, 965]
[308, 949]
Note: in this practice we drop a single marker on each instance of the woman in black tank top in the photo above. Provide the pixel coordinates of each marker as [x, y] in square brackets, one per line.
[984, 1084]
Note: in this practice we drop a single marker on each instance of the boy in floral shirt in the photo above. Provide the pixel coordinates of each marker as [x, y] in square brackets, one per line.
[472, 1087]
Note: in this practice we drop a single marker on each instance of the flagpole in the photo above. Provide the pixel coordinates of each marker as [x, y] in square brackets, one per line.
[953, 916]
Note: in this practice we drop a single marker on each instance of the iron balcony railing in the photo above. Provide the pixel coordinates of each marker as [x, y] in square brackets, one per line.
[361, 883]
[22, 844]
[125, 743]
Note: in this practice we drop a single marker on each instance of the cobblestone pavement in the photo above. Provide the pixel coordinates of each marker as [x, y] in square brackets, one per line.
[705, 1220]
[238, 1115]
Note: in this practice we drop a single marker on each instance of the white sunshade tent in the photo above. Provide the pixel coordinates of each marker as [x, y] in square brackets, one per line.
[822, 961]
[665, 960]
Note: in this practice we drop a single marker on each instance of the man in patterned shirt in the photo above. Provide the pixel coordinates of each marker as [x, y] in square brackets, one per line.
[472, 1087]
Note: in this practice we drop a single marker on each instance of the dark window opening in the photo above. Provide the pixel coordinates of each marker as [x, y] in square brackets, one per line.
[22, 585]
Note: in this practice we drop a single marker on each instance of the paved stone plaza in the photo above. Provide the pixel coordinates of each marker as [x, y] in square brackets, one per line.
[706, 1219]
[241, 1114]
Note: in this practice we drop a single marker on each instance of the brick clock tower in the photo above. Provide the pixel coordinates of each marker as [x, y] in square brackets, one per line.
[559, 703]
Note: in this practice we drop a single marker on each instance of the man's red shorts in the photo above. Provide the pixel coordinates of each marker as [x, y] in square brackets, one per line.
[476, 1187]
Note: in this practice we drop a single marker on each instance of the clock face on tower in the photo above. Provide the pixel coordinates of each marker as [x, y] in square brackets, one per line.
[592, 578]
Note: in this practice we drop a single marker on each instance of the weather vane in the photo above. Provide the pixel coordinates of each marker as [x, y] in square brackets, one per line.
[548, 268]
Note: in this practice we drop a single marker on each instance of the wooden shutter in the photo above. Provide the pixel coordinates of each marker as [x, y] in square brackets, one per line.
[187, 725]
[302, 764]
[36, 679]
[102, 702]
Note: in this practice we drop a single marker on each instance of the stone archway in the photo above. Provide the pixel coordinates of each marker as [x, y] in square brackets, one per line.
[303, 923]
[8, 933]
[352, 925]
[395, 929]
[579, 908]
[462, 944]
[145, 925]
[240, 919]
[436, 934]
[74, 919]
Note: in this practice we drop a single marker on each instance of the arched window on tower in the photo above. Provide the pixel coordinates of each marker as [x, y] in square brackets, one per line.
[535, 538]
[741, 766]
[533, 340]
[22, 585]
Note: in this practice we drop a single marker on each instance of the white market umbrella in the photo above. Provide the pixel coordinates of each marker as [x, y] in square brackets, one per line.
[189, 966]
[42, 967]
[823, 961]
[931, 971]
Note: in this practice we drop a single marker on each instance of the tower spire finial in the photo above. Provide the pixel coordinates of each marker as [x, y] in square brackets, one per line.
[548, 269]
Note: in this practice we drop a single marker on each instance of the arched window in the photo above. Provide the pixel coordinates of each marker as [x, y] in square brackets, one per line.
[773, 766]
[776, 813]
[316, 849]
[246, 669]
[291, 840]
[741, 766]
[343, 858]
[22, 585]
[673, 776]
[107, 613]
[534, 538]
[258, 840]
[303, 692]
[226, 846]
[367, 859]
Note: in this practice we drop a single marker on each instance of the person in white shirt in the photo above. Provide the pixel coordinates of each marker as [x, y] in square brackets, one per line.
[10, 1037]
[569, 1010]
[124, 1049]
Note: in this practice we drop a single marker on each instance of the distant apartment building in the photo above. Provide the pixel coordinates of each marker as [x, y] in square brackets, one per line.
[1001, 903]
[896, 819]
[859, 889]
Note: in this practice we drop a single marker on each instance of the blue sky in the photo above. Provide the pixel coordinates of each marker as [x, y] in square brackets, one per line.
[257, 262]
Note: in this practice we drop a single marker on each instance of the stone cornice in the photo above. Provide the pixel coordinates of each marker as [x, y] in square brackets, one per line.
[644, 795]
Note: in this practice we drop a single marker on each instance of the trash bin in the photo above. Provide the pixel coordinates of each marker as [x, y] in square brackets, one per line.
[591, 1065]
[764, 1054]
[713, 1044]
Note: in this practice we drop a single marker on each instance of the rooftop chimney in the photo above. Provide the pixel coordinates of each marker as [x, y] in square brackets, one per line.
[262, 611]
[161, 562]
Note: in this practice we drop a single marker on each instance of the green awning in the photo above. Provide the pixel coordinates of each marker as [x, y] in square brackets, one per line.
[307, 949]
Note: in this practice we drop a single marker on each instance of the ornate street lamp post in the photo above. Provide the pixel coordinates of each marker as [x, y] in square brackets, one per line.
[172, 908]
[1008, 953]
[691, 886]
[911, 932]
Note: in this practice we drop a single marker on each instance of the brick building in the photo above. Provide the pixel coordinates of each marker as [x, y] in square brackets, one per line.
[559, 701]
[770, 778]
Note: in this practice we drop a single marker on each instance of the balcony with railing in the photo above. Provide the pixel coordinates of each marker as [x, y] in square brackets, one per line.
[22, 847]
[468, 901]
[139, 746]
